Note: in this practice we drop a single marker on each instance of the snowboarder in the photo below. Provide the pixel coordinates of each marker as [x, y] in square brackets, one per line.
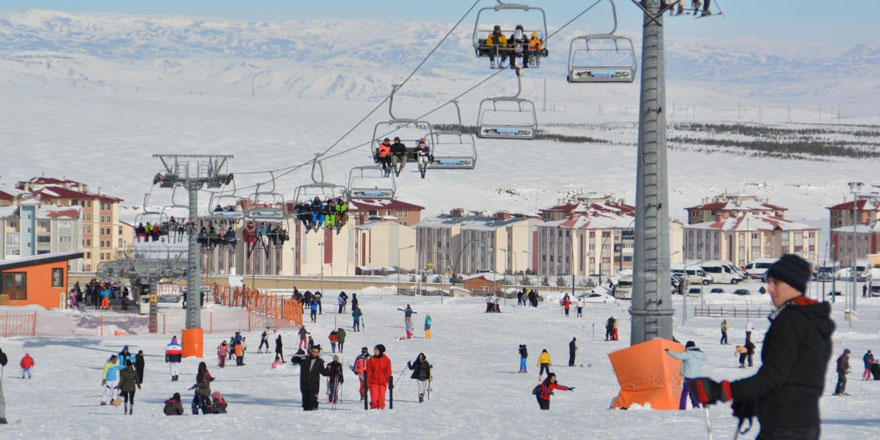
[523, 355]
[544, 362]
[173, 406]
[407, 319]
[785, 391]
[868, 359]
[360, 367]
[139, 366]
[340, 334]
[127, 383]
[428, 326]
[334, 380]
[356, 317]
[311, 370]
[691, 367]
[279, 347]
[27, 362]
[110, 380]
[421, 372]
[264, 339]
[842, 371]
[3, 361]
[379, 377]
[572, 351]
[173, 355]
[545, 389]
[723, 332]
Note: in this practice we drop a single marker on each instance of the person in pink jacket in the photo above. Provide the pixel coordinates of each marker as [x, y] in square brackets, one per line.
[222, 352]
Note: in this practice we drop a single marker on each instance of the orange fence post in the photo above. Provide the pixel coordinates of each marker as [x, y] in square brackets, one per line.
[34, 330]
[211, 318]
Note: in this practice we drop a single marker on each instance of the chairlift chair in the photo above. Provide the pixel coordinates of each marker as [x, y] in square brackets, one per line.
[523, 127]
[453, 149]
[370, 182]
[224, 214]
[482, 33]
[593, 70]
[266, 206]
[410, 132]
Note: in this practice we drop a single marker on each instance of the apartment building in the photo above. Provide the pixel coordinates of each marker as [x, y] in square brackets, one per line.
[30, 229]
[865, 211]
[748, 237]
[865, 239]
[587, 203]
[100, 215]
[732, 206]
[397, 211]
[380, 244]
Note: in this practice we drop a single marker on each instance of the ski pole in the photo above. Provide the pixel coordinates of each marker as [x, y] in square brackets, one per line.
[399, 376]
[708, 423]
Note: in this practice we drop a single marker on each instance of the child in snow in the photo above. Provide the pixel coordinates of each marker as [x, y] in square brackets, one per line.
[523, 355]
[222, 351]
[545, 390]
[427, 326]
[173, 406]
[544, 362]
[27, 362]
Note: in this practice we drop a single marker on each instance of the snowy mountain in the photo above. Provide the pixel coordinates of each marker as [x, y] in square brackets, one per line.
[357, 59]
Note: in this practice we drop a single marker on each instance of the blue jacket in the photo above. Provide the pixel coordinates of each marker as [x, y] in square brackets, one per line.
[313, 306]
[691, 362]
[868, 359]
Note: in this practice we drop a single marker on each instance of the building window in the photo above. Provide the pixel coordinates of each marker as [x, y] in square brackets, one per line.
[88, 217]
[13, 240]
[58, 277]
[15, 285]
[88, 255]
[44, 239]
[88, 242]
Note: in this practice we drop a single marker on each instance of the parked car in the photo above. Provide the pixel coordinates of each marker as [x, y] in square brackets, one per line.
[596, 298]
[694, 291]
[742, 292]
[716, 290]
[756, 269]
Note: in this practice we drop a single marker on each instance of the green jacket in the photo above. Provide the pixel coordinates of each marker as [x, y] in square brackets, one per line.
[128, 379]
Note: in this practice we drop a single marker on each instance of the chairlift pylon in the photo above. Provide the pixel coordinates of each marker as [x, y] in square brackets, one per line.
[371, 183]
[453, 149]
[594, 69]
[481, 34]
[525, 128]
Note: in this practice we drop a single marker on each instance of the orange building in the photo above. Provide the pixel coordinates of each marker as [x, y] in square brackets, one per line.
[40, 280]
[485, 283]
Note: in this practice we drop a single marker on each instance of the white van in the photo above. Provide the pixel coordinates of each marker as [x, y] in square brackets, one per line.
[624, 287]
[757, 268]
[722, 272]
[695, 274]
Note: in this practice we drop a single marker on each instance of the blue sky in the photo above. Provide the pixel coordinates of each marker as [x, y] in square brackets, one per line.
[799, 20]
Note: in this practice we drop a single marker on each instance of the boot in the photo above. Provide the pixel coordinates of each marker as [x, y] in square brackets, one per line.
[493, 65]
[540, 377]
[131, 409]
[3, 421]
[125, 409]
[421, 398]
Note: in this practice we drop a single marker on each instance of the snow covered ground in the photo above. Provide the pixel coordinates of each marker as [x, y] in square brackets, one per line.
[477, 392]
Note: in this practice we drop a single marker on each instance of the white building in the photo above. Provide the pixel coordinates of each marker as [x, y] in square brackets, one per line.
[31, 229]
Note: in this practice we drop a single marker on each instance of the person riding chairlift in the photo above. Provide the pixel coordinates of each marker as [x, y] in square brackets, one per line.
[383, 155]
[520, 57]
[423, 156]
[497, 44]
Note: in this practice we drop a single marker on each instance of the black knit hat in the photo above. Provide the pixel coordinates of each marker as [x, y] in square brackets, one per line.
[381, 348]
[792, 270]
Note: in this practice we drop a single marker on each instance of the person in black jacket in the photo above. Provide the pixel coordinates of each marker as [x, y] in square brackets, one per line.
[842, 370]
[421, 372]
[3, 361]
[523, 355]
[572, 351]
[311, 370]
[279, 347]
[398, 156]
[334, 380]
[139, 366]
[875, 369]
[785, 391]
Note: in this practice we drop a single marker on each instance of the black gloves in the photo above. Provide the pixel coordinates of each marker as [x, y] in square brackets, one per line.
[571, 388]
[709, 391]
[744, 410]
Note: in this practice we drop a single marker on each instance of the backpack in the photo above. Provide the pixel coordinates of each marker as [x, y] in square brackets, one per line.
[537, 390]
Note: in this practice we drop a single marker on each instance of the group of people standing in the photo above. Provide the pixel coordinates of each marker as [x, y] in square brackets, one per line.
[123, 374]
[527, 297]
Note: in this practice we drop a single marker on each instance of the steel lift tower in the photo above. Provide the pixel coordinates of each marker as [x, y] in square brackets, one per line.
[193, 172]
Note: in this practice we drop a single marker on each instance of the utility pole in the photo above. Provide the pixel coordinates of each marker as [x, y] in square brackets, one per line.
[651, 309]
[192, 172]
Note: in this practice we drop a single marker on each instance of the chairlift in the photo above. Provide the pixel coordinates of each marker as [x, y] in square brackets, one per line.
[410, 132]
[481, 33]
[266, 206]
[371, 182]
[699, 9]
[318, 188]
[225, 208]
[152, 218]
[453, 149]
[494, 118]
[602, 58]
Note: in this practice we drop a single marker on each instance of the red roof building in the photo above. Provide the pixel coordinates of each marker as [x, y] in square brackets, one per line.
[732, 206]
[867, 210]
[363, 211]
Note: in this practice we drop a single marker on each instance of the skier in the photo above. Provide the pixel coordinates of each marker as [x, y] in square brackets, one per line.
[340, 335]
[379, 377]
[303, 337]
[139, 365]
[723, 332]
[544, 362]
[3, 361]
[173, 406]
[173, 354]
[785, 391]
[421, 372]
[360, 367]
[127, 383]
[383, 156]
[868, 359]
[523, 355]
[279, 347]
[407, 319]
[239, 352]
[520, 43]
[264, 339]
[222, 351]
[356, 317]
[110, 380]
[311, 370]
[423, 157]
[566, 304]
[497, 44]
[398, 156]
[428, 326]
[842, 371]
[334, 380]
[691, 367]
[572, 351]
[27, 362]
[545, 389]
[749, 329]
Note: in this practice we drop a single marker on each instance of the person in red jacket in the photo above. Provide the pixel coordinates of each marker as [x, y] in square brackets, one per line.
[249, 236]
[27, 362]
[379, 377]
[545, 390]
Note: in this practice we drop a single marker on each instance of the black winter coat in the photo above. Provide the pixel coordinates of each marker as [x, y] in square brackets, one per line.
[334, 372]
[310, 372]
[523, 352]
[421, 370]
[843, 364]
[794, 359]
[398, 149]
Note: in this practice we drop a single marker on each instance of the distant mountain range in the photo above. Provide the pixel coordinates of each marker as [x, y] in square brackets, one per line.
[357, 59]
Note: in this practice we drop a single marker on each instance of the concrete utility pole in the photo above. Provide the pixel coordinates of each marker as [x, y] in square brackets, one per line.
[193, 171]
[651, 298]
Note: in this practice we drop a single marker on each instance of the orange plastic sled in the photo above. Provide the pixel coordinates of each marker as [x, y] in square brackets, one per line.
[647, 375]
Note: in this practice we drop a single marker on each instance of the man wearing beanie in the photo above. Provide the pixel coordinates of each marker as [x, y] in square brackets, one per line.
[379, 377]
[785, 391]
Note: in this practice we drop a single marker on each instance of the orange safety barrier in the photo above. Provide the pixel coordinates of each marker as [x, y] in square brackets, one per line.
[647, 375]
[18, 324]
[192, 342]
[264, 309]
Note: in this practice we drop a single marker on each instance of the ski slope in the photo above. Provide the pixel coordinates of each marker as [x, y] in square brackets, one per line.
[476, 390]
